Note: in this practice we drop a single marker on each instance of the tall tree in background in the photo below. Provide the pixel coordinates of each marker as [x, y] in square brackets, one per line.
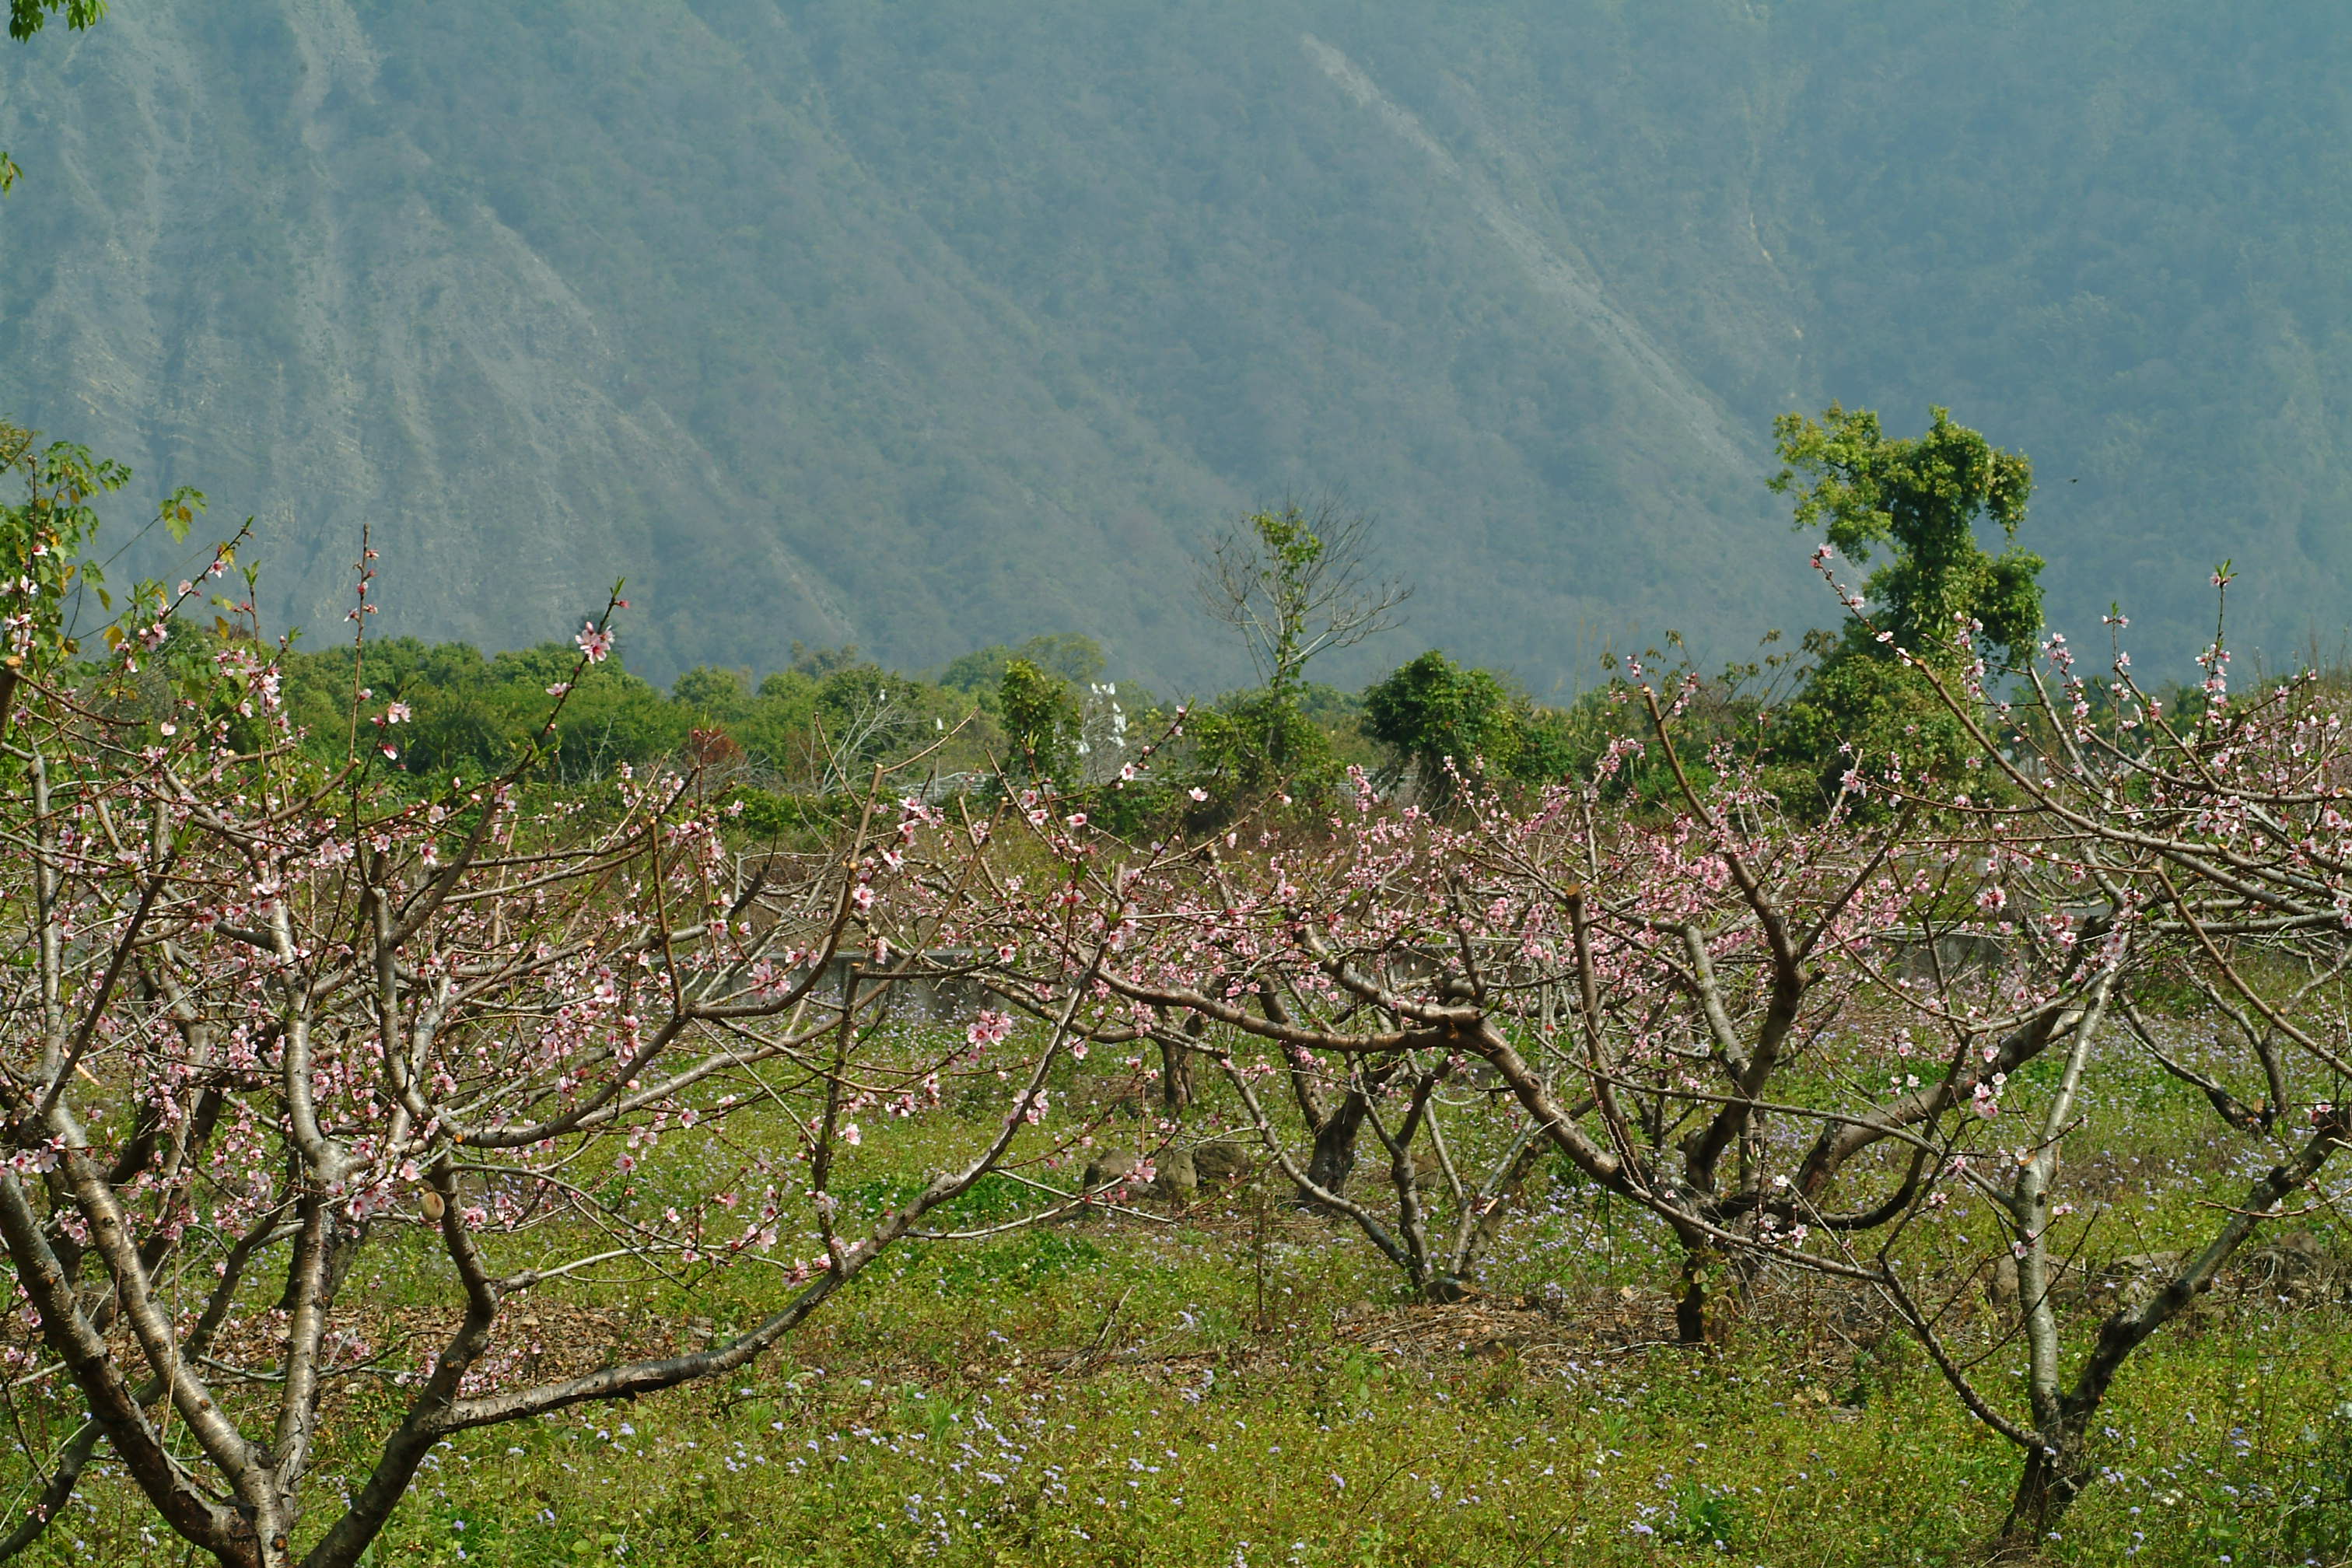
[1041, 723]
[1294, 584]
[1920, 501]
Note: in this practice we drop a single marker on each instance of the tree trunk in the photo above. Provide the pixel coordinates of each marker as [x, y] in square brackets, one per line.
[244, 1549]
[1695, 1324]
[1714, 1282]
[1334, 1156]
[2053, 1479]
[1176, 1076]
[1445, 1289]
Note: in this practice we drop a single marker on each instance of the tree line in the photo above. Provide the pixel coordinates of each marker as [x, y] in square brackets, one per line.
[1291, 583]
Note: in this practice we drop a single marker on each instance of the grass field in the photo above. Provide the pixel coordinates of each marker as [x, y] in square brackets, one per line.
[1240, 1383]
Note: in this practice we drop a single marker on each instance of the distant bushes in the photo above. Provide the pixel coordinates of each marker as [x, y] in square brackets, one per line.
[789, 744]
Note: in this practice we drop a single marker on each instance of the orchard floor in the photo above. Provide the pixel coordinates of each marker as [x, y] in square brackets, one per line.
[1242, 1387]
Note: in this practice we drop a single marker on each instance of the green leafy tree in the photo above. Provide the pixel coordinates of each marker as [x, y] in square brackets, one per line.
[1041, 724]
[817, 663]
[1921, 499]
[1296, 584]
[1256, 744]
[463, 724]
[714, 696]
[40, 545]
[868, 715]
[1554, 744]
[469, 715]
[1441, 721]
[1075, 657]
[460, 734]
[1921, 502]
[26, 18]
[777, 726]
[611, 719]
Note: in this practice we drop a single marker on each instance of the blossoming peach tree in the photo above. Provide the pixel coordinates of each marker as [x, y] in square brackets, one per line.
[1840, 1046]
[1466, 994]
[2205, 852]
[270, 1021]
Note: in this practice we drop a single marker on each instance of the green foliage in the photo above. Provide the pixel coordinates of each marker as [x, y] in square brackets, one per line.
[1041, 719]
[1072, 656]
[1257, 744]
[26, 18]
[829, 720]
[1431, 709]
[1291, 551]
[1920, 500]
[1291, 584]
[770, 814]
[1885, 712]
[1033, 1260]
[2319, 1525]
[42, 539]
[1433, 713]
[1707, 1517]
[1133, 811]
[776, 726]
[472, 716]
[817, 663]
[785, 751]
[717, 696]
[53, 590]
[1554, 744]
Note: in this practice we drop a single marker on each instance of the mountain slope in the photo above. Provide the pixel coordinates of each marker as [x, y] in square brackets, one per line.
[928, 326]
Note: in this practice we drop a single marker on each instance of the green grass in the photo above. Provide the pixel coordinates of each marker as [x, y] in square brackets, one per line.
[932, 1418]
[1245, 1386]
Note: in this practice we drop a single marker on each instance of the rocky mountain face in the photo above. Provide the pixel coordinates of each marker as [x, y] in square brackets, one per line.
[926, 326]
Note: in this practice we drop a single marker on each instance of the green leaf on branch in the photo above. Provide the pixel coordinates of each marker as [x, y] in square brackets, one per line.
[26, 18]
[179, 510]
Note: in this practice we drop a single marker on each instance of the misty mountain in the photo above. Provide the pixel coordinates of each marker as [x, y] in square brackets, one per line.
[930, 326]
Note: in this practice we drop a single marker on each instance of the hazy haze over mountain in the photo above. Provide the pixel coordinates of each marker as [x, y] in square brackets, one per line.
[930, 325]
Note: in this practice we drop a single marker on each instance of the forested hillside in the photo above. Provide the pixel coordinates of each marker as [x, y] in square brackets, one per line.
[928, 327]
